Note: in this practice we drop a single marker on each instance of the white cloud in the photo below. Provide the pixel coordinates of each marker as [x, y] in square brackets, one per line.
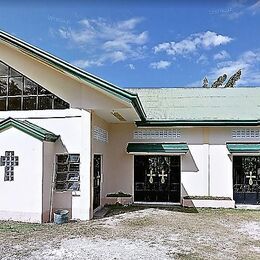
[87, 63]
[162, 64]
[110, 41]
[193, 43]
[239, 8]
[222, 55]
[248, 61]
[131, 66]
[255, 8]
[233, 15]
[111, 57]
[203, 59]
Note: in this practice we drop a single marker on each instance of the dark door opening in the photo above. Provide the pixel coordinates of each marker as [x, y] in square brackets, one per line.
[246, 179]
[97, 180]
[157, 178]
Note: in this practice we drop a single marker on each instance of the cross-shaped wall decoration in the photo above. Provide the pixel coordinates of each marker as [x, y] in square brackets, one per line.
[151, 175]
[250, 176]
[9, 161]
[163, 175]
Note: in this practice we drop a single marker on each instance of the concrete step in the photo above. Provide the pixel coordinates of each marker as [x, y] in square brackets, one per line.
[245, 206]
[101, 213]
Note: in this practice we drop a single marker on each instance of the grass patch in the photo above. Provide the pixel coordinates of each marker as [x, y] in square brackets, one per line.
[19, 227]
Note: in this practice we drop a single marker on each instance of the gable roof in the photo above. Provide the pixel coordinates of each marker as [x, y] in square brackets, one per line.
[200, 106]
[75, 72]
[165, 106]
[29, 128]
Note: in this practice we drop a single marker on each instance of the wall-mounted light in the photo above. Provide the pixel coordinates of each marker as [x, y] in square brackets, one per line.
[118, 116]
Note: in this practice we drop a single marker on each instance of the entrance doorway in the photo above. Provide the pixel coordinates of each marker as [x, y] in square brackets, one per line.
[157, 178]
[97, 180]
[246, 179]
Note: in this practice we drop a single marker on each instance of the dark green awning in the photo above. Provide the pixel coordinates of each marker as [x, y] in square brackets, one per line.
[243, 147]
[157, 148]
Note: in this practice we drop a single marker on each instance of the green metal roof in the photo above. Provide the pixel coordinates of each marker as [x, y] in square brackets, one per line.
[29, 128]
[157, 148]
[243, 147]
[200, 106]
[77, 73]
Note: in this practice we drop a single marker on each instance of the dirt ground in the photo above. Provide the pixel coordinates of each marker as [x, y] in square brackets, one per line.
[139, 233]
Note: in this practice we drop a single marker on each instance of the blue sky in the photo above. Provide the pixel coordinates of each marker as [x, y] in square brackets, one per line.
[145, 43]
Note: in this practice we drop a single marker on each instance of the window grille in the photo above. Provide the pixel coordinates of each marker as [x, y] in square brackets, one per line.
[157, 134]
[18, 92]
[67, 172]
[100, 134]
[245, 133]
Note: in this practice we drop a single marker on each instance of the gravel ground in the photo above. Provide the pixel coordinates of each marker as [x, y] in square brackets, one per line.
[139, 233]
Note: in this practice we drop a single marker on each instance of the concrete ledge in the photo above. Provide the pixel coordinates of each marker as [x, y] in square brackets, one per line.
[115, 200]
[246, 206]
[208, 203]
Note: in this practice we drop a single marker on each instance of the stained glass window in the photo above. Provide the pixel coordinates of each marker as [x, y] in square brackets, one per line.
[17, 92]
[67, 172]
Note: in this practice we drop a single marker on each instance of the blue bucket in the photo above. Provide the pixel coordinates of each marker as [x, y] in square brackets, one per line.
[61, 216]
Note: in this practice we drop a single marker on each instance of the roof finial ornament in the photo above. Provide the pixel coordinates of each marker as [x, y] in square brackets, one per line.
[205, 83]
[220, 80]
[232, 80]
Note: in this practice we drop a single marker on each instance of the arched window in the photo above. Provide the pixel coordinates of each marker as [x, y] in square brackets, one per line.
[18, 92]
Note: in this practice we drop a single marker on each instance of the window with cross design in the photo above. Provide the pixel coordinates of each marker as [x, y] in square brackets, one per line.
[17, 92]
[9, 161]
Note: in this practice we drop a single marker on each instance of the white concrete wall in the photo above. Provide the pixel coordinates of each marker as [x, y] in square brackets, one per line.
[195, 180]
[120, 170]
[121, 167]
[206, 169]
[74, 128]
[48, 155]
[21, 199]
[221, 165]
[101, 148]
[221, 175]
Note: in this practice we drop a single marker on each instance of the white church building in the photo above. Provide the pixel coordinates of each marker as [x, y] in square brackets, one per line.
[71, 140]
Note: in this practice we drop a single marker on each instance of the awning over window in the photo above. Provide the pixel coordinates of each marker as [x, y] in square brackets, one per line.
[243, 147]
[157, 148]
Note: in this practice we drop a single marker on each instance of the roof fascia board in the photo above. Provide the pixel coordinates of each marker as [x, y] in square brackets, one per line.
[26, 129]
[157, 123]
